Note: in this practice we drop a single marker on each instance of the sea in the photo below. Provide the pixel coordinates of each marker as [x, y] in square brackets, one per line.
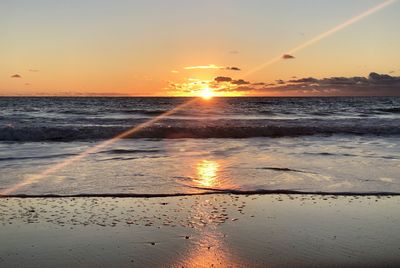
[161, 146]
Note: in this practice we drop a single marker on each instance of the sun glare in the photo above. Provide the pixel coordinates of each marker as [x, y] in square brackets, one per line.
[206, 93]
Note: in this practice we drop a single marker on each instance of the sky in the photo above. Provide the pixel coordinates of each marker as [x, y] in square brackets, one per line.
[181, 47]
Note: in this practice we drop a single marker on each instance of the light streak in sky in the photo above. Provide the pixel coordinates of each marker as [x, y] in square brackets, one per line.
[323, 35]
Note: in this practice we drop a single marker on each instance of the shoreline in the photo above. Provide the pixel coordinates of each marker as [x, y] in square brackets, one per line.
[212, 192]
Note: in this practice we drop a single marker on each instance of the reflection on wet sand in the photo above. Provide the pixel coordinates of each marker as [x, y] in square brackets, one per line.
[209, 248]
[209, 251]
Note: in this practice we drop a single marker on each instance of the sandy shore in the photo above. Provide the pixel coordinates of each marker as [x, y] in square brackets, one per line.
[200, 231]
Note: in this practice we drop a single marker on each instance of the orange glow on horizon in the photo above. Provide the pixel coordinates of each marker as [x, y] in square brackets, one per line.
[205, 89]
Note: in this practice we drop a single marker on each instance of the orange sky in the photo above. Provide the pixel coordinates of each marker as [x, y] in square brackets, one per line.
[88, 48]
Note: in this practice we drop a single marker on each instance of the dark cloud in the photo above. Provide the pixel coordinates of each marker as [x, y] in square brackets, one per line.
[16, 76]
[233, 52]
[304, 80]
[240, 82]
[383, 78]
[222, 79]
[287, 57]
[233, 68]
[342, 81]
[280, 82]
[373, 85]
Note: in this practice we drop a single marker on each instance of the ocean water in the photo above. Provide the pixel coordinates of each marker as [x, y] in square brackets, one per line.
[62, 146]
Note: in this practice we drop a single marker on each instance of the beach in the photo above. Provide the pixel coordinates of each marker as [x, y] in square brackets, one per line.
[228, 182]
[210, 230]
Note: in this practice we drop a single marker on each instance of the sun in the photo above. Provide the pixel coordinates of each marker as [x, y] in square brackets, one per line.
[206, 93]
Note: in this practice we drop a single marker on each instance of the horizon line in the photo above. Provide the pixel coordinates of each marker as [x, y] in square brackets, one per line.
[167, 96]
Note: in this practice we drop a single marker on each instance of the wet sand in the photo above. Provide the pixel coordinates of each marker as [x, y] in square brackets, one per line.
[223, 230]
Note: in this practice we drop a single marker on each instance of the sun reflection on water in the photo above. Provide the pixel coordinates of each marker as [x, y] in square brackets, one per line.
[207, 174]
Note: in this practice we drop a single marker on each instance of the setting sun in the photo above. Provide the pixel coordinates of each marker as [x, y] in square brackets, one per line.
[206, 93]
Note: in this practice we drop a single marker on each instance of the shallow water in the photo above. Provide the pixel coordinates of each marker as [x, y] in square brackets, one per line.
[60, 146]
[167, 167]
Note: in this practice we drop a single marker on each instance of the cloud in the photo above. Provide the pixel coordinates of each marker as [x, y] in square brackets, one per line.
[16, 76]
[174, 71]
[33, 70]
[233, 68]
[280, 82]
[373, 85]
[233, 52]
[288, 57]
[383, 78]
[240, 82]
[222, 79]
[212, 66]
[304, 80]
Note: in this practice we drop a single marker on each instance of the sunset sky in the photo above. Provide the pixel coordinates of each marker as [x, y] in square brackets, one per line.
[181, 47]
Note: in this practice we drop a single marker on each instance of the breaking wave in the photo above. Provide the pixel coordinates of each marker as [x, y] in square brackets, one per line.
[197, 129]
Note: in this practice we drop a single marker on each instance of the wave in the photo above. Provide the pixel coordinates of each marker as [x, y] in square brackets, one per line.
[133, 151]
[284, 169]
[35, 157]
[174, 132]
[144, 112]
[395, 110]
[266, 112]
